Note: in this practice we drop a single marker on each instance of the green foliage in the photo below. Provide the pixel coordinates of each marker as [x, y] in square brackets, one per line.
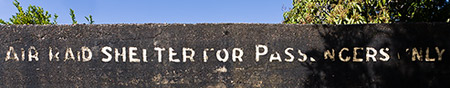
[89, 19]
[36, 15]
[3, 22]
[33, 15]
[72, 15]
[420, 10]
[54, 19]
[337, 12]
[366, 11]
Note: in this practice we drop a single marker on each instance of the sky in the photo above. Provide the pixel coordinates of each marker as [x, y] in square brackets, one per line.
[158, 11]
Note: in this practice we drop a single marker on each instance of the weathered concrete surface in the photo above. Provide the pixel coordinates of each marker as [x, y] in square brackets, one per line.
[312, 40]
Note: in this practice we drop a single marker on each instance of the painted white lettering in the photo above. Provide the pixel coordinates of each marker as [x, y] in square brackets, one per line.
[106, 50]
[205, 55]
[8, 54]
[416, 55]
[305, 57]
[144, 55]
[385, 55]
[427, 55]
[327, 54]
[159, 50]
[171, 54]
[312, 59]
[69, 55]
[291, 57]
[85, 49]
[369, 55]
[259, 53]
[123, 54]
[51, 56]
[440, 53]
[23, 53]
[132, 53]
[185, 56]
[239, 56]
[347, 58]
[78, 56]
[277, 57]
[355, 54]
[219, 57]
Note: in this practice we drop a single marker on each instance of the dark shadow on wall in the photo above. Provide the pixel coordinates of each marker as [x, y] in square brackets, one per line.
[394, 73]
[408, 73]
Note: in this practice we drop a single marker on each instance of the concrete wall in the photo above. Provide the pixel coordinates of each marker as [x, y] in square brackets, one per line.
[225, 55]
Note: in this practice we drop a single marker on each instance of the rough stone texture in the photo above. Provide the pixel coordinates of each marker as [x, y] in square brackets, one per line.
[313, 40]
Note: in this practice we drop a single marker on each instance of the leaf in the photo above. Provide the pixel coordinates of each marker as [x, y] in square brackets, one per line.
[2, 22]
[72, 15]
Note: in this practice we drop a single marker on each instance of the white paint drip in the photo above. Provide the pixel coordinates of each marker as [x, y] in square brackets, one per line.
[221, 69]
